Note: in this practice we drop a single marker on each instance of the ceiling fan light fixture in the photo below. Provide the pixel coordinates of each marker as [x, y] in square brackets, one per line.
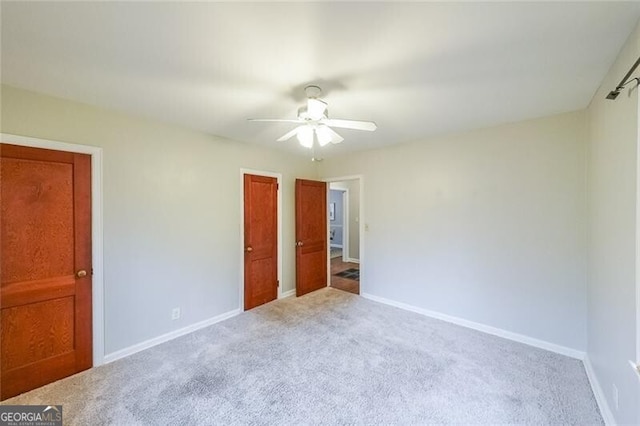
[316, 109]
[324, 135]
[305, 136]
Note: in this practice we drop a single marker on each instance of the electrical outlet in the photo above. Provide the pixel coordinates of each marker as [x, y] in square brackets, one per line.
[615, 397]
[175, 313]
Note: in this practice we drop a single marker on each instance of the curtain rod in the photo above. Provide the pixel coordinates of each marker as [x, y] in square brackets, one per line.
[614, 93]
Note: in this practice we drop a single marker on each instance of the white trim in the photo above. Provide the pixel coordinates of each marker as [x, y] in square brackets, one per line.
[335, 245]
[521, 338]
[361, 224]
[603, 405]
[288, 293]
[278, 177]
[96, 228]
[122, 353]
[352, 260]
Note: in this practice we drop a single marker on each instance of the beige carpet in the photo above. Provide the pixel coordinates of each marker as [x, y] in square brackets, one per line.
[333, 358]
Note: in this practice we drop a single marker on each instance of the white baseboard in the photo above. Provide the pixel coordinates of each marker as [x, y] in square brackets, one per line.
[336, 245]
[605, 411]
[122, 353]
[521, 338]
[288, 294]
[352, 260]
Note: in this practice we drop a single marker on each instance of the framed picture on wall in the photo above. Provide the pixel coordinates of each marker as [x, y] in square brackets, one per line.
[332, 211]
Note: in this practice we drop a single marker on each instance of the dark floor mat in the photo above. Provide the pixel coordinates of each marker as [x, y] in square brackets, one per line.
[351, 273]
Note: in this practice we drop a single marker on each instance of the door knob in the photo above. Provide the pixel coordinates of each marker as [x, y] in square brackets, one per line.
[81, 273]
[299, 244]
[249, 249]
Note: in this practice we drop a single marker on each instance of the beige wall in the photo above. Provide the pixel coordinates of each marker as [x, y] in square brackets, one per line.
[613, 177]
[171, 211]
[488, 226]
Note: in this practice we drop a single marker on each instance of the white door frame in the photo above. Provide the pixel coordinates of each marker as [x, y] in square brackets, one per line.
[278, 177]
[361, 225]
[96, 228]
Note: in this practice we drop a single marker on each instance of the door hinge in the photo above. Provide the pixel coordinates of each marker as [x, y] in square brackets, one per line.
[278, 283]
[277, 187]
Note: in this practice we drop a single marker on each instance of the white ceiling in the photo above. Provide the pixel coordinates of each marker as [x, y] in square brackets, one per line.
[417, 69]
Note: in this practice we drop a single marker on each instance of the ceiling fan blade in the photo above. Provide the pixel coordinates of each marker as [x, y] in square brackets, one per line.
[288, 135]
[335, 138]
[276, 120]
[316, 108]
[369, 126]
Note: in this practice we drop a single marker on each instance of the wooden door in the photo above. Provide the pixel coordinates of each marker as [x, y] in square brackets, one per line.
[45, 283]
[260, 240]
[311, 236]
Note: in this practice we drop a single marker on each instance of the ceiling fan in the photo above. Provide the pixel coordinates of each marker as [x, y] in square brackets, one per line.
[315, 123]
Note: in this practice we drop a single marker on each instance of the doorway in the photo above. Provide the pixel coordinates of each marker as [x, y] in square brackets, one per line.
[97, 262]
[339, 223]
[344, 218]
